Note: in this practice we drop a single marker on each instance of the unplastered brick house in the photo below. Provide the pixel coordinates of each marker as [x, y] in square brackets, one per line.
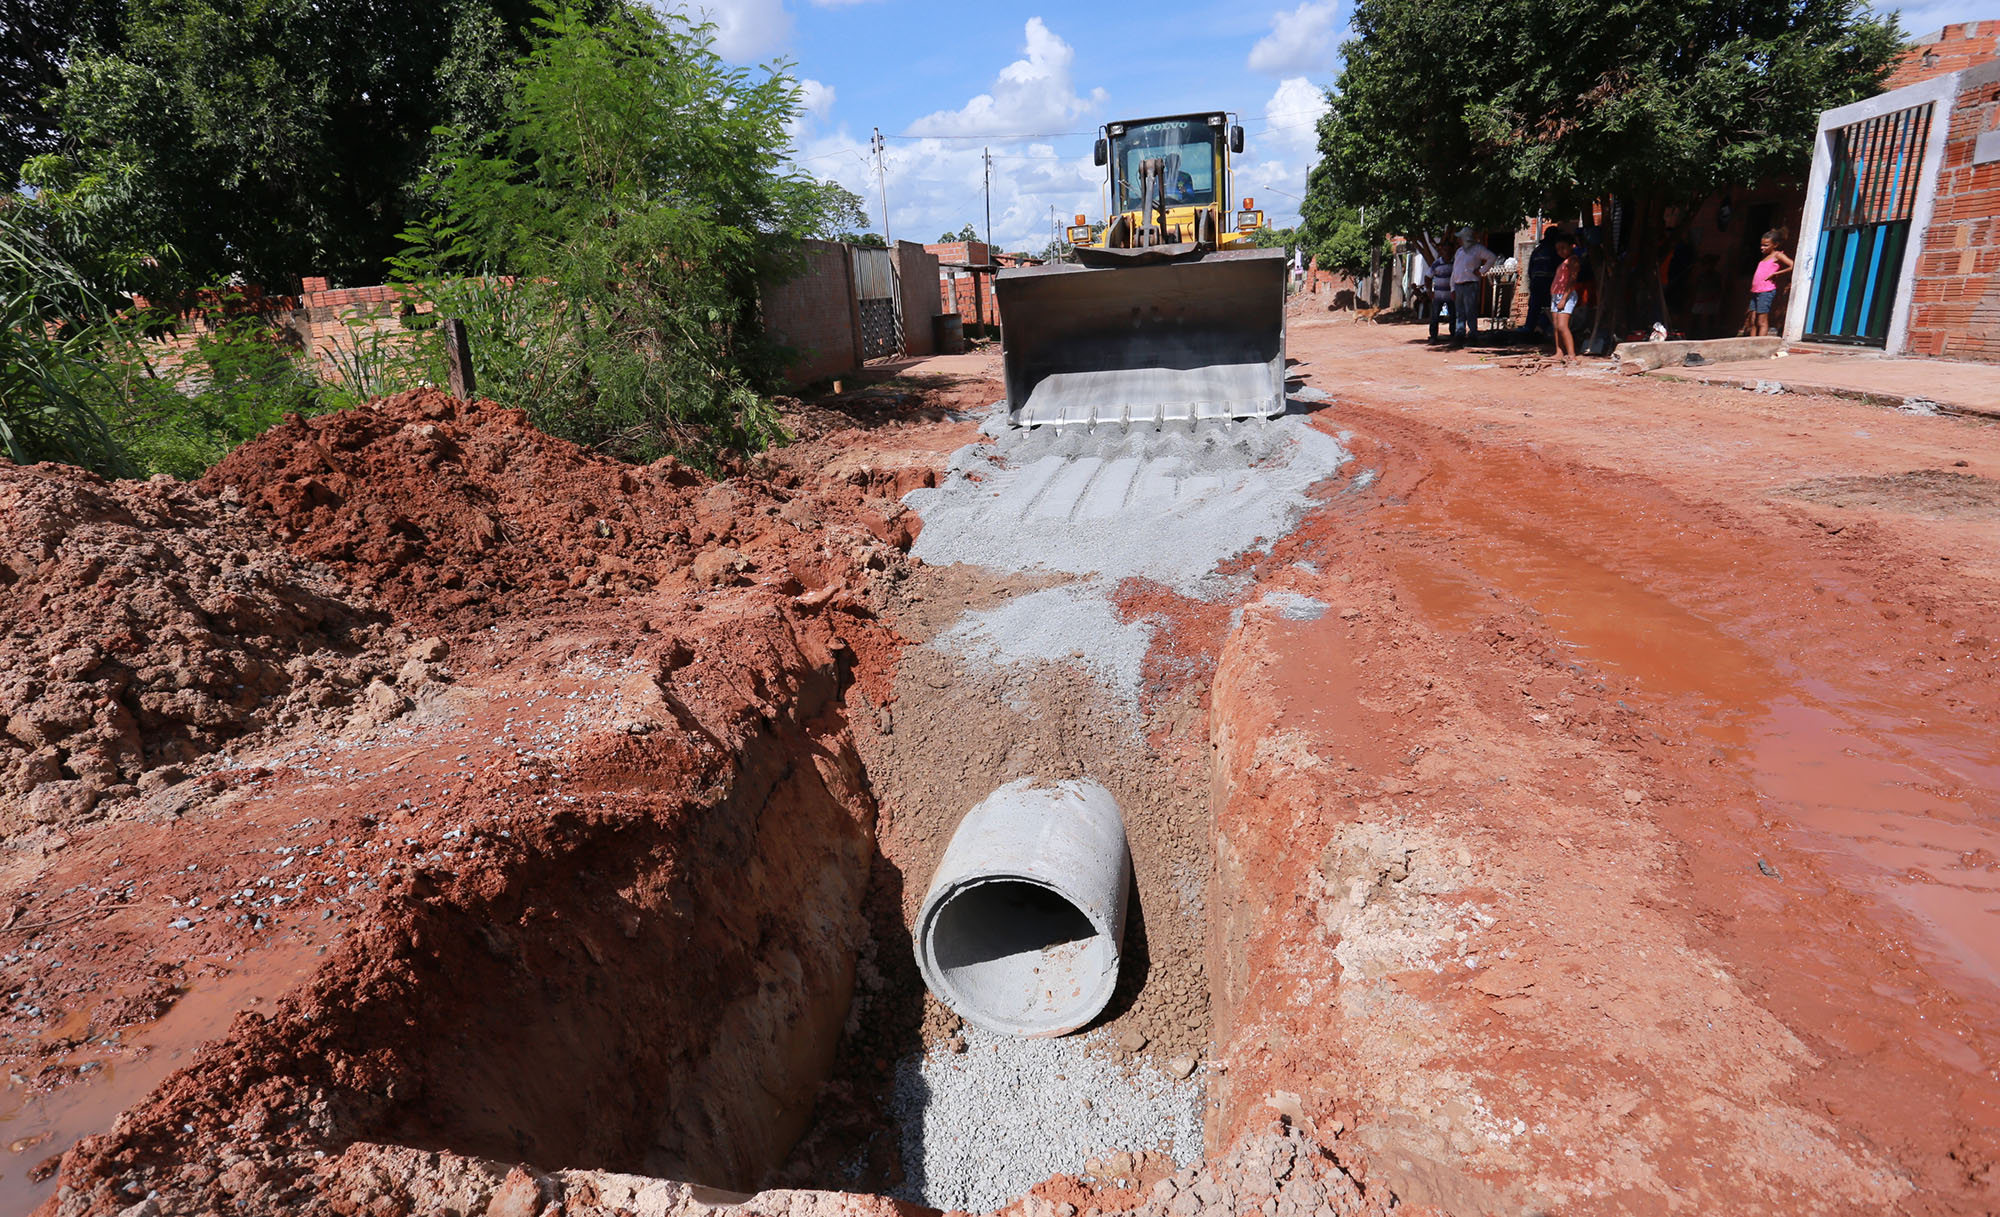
[1899, 248]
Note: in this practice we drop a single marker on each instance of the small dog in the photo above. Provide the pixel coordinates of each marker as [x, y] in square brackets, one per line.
[1364, 314]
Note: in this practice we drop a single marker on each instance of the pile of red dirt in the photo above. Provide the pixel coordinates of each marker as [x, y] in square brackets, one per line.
[146, 626]
[462, 512]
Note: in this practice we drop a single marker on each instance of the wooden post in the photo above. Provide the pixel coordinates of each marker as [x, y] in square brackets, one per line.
[459, 352]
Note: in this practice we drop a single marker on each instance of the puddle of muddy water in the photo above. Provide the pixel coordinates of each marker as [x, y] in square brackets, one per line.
[47, 1124]
[1897, 801]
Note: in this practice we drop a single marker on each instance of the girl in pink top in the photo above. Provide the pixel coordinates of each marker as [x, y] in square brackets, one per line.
[1764, 283]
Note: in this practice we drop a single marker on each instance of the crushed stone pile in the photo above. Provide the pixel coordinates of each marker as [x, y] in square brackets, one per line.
[461, 512]
[144, 625]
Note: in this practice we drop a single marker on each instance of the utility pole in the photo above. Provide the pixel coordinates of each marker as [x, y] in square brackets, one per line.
[989, 201]
[882, 184]
[1055, 238]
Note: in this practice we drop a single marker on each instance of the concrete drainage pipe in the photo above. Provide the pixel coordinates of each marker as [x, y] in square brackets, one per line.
[1019, 933]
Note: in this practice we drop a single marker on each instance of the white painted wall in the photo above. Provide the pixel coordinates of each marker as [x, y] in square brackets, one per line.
[1941, 90]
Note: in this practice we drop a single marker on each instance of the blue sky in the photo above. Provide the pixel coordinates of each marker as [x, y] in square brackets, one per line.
[1033, 82]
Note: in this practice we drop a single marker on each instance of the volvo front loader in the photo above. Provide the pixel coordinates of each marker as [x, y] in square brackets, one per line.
[1173, 314]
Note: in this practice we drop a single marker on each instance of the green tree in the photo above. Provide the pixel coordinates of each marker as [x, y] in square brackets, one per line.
[637, 193]
[841, 212]
[40, 34]
[1452, 114]
[967, 233]
[273, 138]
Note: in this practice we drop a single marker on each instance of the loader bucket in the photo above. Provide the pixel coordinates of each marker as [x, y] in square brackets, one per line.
[1150, 343]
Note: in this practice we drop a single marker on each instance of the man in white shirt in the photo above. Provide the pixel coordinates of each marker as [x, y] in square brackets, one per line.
[1467, 265]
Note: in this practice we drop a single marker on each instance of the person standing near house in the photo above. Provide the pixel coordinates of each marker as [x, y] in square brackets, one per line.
[1563, 287]
[1467, 265]
[1771, 263]
[1440, 290]
[1541, 273]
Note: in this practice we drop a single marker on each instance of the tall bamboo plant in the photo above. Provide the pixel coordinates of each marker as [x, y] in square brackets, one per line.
[54, 330]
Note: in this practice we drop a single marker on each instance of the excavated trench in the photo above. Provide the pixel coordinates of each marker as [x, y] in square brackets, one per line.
[728, 996]
[702, 968]
[794, 1042]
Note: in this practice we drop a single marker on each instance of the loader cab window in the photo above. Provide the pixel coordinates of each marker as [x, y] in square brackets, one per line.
[1188, 145]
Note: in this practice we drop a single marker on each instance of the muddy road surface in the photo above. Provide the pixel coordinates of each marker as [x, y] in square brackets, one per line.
[1547, 792]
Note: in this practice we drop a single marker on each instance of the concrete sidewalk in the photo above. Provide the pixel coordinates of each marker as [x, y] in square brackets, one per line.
[1948, 386]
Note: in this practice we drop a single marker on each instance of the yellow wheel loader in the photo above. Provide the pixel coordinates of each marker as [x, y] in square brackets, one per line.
[1171, 314]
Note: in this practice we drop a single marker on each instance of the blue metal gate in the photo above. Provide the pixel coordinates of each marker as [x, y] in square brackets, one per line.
[1865, 226]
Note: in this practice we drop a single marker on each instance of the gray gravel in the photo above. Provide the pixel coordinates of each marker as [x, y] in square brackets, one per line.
[1294, 607]
[1169, 504]
[1074, 624]
[982, 1127]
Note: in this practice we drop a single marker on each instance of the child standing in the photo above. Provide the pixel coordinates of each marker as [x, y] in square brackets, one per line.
[1562, 298]
[1764, 282]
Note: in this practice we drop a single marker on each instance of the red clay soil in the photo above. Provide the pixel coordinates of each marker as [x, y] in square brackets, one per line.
[1638, 830]
[460, 513]
[575, 959]
[1622, 837]
[462, 919]
[146, 626]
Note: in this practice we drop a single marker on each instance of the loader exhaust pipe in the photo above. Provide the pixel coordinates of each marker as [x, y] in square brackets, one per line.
[1019, 933]
[1168, 334]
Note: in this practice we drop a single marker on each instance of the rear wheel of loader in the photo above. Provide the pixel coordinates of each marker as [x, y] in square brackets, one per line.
[1202, 338]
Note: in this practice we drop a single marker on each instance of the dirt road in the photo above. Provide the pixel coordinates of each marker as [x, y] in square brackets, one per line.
[1578, 795]
[1651, 733]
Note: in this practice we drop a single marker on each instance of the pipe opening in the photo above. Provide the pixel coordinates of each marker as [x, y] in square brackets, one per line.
[1015, 953]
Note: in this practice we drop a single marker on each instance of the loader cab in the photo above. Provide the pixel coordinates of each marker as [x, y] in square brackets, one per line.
[1192, 146]
[1195, 151]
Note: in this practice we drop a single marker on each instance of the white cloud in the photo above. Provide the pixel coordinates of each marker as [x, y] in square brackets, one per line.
[1276, 159]
[1292, 117]
[1307, 39]
[936, 185]
[815, 99]
[745, 30]
[815, 108]
[1030, 96]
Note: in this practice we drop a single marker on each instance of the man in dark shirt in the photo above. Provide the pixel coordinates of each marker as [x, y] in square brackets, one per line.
[1542, 265]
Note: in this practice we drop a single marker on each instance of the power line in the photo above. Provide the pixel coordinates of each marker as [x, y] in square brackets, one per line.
[1033, 135]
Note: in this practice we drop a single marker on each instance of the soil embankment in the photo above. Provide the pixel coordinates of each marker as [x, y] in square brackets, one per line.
[598, 845]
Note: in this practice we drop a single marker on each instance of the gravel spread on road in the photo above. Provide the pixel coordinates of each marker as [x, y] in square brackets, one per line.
[1169, 504]
[1043, 1106]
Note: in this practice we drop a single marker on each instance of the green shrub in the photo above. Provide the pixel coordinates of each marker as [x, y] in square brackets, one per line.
[53, 331]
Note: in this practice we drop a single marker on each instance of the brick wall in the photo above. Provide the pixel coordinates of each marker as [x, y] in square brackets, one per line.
[970, 295]
[1955, 293]
[326, 323]
[967, 253]
[816, 315]
[1954, 47]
